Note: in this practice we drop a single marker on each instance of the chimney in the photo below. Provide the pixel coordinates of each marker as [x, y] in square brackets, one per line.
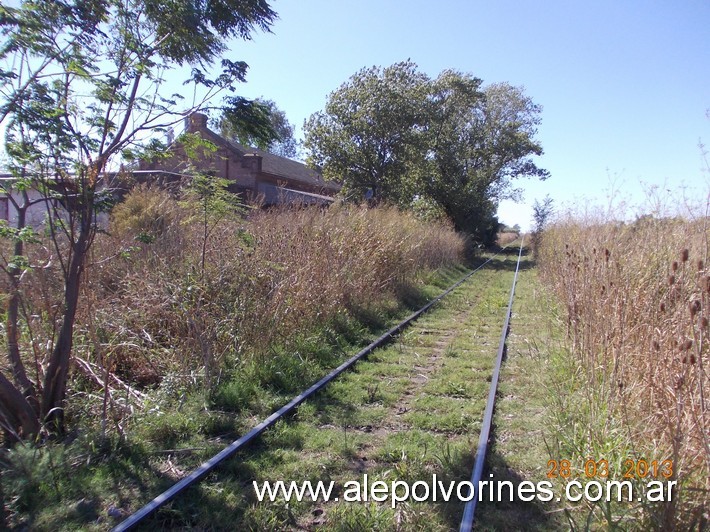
[253, 161]
[196, 122]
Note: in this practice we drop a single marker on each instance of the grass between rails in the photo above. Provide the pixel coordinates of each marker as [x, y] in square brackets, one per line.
[402, 414]
[524, 428]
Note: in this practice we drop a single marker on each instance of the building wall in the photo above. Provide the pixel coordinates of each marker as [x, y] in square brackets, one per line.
[35, 214]
[244, 170]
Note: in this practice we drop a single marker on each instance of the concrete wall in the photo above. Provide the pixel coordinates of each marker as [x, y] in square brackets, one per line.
[36, 213]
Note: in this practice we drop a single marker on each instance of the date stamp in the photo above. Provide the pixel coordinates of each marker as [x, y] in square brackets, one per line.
[630, 469]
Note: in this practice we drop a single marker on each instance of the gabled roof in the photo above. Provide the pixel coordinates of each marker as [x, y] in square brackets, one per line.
[287, 168]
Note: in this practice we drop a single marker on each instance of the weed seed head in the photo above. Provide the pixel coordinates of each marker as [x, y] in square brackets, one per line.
[684, 255]
[686, 345]
[701, 265]
[694, 307]
[674, 266]
[692, 358]
[671, 280]
[656, 345]
[704, 322]
[663, 306]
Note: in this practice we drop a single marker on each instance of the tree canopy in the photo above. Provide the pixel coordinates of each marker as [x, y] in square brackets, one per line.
[400, 136]
[368, 135]
[83, 82]
[283, 142]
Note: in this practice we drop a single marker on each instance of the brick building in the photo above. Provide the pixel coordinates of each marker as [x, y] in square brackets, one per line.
[260, 176]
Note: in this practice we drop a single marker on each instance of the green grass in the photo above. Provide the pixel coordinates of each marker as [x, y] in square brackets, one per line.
[390, 418]
[410, 411]
[522, 429]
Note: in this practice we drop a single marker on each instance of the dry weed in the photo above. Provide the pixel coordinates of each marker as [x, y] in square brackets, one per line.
[638, 302]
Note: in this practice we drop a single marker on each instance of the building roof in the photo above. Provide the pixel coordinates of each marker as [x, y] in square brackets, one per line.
[283, 167]
[271, 164]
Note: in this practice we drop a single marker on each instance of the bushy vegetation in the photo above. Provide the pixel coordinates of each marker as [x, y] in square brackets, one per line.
[272, 278]
[637, 299]
[166, 352]
[72, 109]
[446, 144]
[270, 281]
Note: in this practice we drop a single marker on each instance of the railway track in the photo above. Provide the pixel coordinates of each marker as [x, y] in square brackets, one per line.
[210, 465]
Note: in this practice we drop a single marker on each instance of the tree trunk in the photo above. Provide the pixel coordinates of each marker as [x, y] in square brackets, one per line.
[18, 418]
[11, 323]
[55, 379]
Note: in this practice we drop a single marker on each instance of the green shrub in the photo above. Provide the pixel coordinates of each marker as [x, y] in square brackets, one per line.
[145, 214]
[234, 395]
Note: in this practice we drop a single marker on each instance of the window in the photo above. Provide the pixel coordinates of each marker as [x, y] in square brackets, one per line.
[4, 211]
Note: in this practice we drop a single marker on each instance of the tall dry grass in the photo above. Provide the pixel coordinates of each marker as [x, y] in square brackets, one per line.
[151, 313]
[637, 297]
[269, 279]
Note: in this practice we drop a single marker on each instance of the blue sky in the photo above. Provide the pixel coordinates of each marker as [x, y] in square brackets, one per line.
[624, 85]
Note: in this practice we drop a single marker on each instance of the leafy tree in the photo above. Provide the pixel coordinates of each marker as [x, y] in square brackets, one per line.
[369, 135]
[542, 211]
[480, 140]
[243, 132]
[413, 140]
[82, 83]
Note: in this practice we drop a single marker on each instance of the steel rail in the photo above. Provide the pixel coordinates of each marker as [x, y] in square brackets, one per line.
[196, 475]
[470, 508]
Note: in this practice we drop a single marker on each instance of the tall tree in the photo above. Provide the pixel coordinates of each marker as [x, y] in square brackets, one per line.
[369, 134]
[480, 140]
[83, 81]
[414, 140]
[243, 132]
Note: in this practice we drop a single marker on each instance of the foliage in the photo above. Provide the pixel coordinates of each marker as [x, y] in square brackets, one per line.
[241, 131]
[258, 283]
[368, 134]
[82, 83]
[145, 214]
[396, 135]
[481, 140]
[542, 211]
[210, 200]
